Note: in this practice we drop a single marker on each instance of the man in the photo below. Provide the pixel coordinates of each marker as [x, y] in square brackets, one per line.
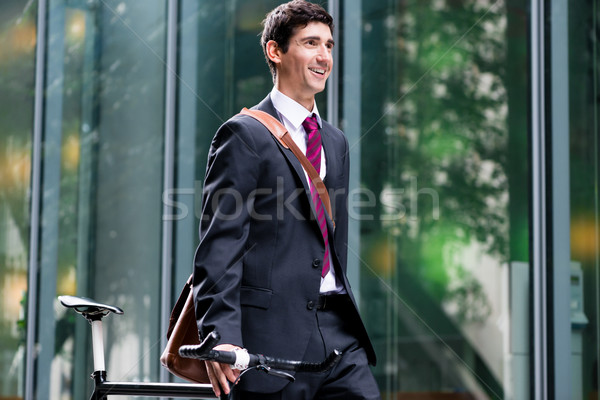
[270, 267]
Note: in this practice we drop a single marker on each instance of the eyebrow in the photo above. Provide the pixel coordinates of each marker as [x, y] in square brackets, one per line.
[304, 39]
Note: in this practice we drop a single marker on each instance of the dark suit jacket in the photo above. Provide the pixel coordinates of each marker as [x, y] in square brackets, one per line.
[255, 279]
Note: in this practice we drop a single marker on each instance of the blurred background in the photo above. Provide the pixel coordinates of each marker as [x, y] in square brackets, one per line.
[473, 131]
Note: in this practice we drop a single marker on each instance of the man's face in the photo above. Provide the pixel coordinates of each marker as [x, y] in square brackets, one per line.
[303, 70]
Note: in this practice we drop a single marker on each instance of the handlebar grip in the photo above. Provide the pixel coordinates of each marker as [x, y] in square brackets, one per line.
[198, 351]
[226, 357]
[204, 352]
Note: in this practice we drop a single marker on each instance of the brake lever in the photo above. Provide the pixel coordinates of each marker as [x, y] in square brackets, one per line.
[276, 372]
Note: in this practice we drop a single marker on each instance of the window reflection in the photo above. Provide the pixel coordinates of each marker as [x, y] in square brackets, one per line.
[102, 184]
[435, 151]
[17, 49]
[584, 101]
[440, 211]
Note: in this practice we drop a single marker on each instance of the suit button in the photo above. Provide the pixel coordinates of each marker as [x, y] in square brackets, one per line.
[310, 305]
[316, 263]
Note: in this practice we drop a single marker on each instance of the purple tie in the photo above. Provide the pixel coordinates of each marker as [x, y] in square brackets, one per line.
[313, 153]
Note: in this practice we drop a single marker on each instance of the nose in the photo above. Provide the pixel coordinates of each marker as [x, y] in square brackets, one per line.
[324, 53]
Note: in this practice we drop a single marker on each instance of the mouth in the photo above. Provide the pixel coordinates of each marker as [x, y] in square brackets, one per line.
[320, 71]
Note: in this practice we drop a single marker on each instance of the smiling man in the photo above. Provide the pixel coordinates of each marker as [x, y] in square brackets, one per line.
[270, 269]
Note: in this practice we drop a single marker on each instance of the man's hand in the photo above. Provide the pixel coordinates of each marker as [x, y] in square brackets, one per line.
[220, 373]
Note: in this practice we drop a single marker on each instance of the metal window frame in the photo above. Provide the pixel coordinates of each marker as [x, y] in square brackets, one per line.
[36, 195]
[539, 349]
[333, 95]
[550, 208]
[168, 172]
[559, 246]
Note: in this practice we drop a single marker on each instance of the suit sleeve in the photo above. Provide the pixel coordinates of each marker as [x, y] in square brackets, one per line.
[231, 176]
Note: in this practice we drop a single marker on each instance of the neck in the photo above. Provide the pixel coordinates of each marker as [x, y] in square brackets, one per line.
[307, 102]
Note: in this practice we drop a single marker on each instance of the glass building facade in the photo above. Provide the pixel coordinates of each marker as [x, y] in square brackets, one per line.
[474, 212]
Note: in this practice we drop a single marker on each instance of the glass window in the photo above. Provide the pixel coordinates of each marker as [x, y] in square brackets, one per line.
[17, 70]
[583, 106]
[102, 187]
[438, 126]
[434, 98]
[221, 70]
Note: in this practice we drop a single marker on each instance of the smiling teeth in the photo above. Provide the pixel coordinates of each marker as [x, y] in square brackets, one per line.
[317, 70]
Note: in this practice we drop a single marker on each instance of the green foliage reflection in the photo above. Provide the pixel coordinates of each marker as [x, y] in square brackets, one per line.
[435, 145]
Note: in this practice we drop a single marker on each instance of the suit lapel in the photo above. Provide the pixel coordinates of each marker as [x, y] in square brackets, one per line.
[266, 105]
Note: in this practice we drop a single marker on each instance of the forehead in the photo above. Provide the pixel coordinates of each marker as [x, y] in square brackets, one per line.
[313, 29]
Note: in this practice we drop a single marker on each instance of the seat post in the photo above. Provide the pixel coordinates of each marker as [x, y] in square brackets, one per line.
[97, 342]
[93, 312]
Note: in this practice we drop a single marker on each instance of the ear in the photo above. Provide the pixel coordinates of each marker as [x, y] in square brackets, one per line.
[273, 51]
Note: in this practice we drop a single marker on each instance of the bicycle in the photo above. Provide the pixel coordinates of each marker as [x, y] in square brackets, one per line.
[93, 311]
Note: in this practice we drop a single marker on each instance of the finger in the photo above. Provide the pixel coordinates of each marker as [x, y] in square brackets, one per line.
[236, 373]
[230, 373]
[221, 376]
[212, 377]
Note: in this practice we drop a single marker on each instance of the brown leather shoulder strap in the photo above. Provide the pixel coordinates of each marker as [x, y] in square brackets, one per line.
[281, 134]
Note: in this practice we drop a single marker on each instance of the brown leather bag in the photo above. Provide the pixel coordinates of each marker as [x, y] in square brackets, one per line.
[183, 330]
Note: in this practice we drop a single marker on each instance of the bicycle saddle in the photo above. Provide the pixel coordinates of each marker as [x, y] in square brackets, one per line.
[88, 307]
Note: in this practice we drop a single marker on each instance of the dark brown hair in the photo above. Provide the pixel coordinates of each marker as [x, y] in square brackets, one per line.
[281, 23]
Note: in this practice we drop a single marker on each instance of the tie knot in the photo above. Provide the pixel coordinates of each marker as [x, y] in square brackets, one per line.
[310, 123]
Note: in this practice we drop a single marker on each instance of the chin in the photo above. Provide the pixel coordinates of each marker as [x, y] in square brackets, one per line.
[318, 89]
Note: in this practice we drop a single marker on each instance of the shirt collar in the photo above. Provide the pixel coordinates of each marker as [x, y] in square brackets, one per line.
[291, 110]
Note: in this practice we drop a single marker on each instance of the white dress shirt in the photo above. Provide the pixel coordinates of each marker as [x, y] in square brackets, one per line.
[292, 114]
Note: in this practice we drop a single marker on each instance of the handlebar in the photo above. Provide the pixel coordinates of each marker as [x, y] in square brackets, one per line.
[204, 351]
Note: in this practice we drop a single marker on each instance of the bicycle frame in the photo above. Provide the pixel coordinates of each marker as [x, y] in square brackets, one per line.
[104, 388]
[94, 312]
